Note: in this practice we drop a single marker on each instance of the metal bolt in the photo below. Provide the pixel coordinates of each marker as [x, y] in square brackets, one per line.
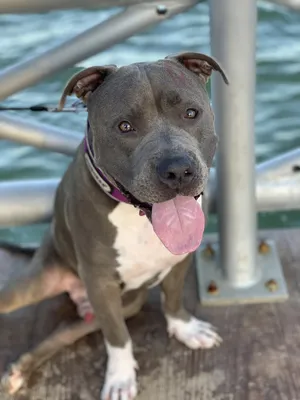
[212, 288]
[263, 247]
[209, 251]
[296, 168]
[271, 285]
[161, 9]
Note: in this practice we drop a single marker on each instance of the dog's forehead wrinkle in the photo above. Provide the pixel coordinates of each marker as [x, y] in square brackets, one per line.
[162, 86]
[172, 97]
[174, 75]
[151, 86]
[127, 86]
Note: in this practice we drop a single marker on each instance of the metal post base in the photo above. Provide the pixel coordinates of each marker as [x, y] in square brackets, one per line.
[215, 291]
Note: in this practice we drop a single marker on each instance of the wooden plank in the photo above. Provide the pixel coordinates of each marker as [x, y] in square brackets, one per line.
[258, 360]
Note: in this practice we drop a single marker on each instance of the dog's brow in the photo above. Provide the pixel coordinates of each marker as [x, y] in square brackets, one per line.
[129, 114]
[173, 98]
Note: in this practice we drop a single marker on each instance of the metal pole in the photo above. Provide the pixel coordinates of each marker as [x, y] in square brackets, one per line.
[39, 135]
[270, 196]
[26, 202]
[92, 41]
[278, 196]
[34, 6]
[233, 31]
[286, 165]
[293, 4]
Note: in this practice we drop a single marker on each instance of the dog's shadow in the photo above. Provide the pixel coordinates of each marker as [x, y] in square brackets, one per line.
[84, 361]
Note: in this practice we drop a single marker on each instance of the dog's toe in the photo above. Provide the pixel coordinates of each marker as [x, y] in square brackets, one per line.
[121, 389]
[194, 333]
[120, 385]
[13, 380]
[17, 376]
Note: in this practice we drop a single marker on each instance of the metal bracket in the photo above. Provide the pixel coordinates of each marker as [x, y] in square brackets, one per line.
[215, 290]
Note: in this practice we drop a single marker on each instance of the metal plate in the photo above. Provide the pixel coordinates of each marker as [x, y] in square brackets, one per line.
[213, 288]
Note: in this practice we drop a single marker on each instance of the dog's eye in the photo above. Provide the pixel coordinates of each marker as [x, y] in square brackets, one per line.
[191, 113]
[125, 127]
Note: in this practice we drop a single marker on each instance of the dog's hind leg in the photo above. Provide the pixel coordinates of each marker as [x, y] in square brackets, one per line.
[19, 372]
[45, 277]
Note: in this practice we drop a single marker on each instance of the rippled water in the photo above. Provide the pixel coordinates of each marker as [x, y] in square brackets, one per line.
[277, 96]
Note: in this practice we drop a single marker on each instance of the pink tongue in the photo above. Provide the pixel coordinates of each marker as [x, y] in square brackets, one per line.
[179, 224]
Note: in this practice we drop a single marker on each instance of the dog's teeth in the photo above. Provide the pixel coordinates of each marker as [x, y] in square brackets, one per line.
[199, 201]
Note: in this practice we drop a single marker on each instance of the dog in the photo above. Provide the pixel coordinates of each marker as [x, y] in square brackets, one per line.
[127, 213]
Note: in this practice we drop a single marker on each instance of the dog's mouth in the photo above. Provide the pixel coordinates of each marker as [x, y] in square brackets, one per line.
[179, 223]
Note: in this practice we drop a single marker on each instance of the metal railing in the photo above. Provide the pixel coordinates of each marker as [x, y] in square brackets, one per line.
[235, 193]
[35, 6]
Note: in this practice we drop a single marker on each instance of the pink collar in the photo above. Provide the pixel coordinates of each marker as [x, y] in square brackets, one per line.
[107, 187]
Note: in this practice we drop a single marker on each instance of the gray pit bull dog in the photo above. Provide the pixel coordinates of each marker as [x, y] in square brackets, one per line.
[127, 212]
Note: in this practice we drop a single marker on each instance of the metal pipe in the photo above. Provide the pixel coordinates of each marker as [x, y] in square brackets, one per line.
[293, 4]
[233, 24]
[274, 196]
[39, 135]
[26, 202]
[35, 6]
[285, 165]
[280, 195]
[49, 137]
[88, 43]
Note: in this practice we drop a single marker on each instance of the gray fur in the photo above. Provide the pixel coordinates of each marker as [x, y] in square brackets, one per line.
[153, 97]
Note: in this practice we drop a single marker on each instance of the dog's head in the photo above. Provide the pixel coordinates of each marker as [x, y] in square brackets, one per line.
[152, 125]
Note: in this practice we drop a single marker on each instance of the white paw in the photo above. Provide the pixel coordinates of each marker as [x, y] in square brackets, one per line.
[194, 333]
[120, 380]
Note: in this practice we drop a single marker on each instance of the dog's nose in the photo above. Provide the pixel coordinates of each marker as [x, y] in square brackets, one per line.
[176, 172]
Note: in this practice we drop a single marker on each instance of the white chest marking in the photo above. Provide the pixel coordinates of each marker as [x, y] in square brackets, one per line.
[141, 255]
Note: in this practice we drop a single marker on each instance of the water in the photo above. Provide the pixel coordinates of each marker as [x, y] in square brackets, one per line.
[277, 97]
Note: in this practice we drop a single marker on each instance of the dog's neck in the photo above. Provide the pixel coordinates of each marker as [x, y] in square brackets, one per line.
[104, 182]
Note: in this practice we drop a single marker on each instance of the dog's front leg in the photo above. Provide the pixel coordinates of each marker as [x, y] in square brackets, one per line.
[105, 296]
[189, 330]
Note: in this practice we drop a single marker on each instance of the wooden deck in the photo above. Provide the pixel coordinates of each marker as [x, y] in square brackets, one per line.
[258, 360]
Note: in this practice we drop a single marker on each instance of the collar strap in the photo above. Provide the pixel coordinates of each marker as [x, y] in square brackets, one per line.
[110, 189]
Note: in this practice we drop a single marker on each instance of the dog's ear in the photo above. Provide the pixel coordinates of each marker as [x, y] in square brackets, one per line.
[201, 64]
[85, 82]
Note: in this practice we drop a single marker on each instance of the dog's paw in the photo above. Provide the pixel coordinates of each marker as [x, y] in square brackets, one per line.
[17, 376]
[120, 380]
[195, 334]
[120, 387]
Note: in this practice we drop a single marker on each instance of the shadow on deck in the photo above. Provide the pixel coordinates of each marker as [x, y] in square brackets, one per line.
[258, 360]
